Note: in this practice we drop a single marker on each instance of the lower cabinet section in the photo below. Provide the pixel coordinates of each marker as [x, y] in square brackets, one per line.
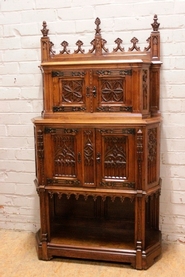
[99, 189]
[99, 227]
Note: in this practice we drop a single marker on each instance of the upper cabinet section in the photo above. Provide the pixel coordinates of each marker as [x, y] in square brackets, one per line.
[125, 82]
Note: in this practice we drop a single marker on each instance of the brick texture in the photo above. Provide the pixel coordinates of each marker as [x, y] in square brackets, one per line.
[21, 93]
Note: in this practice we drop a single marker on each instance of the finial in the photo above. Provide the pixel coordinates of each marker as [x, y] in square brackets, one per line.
[97, 22]
[155, 24]
[44, 30]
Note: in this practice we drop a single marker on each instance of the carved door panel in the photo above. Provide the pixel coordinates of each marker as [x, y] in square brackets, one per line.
[115, 155]
[63, 156]
[112, 90]
[70, 89]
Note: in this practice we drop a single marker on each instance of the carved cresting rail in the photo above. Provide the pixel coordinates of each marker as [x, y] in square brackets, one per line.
[98, 43]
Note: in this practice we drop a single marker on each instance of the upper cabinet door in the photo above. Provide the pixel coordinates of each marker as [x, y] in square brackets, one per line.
[112, 90]
[70, 90]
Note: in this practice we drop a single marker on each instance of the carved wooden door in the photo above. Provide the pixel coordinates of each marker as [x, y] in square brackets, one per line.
[112, 90]
[115, 155]
[71, 156]
[63, 152]
[70, 89]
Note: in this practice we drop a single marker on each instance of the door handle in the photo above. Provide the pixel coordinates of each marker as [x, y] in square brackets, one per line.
[94, 92]
[98, 158]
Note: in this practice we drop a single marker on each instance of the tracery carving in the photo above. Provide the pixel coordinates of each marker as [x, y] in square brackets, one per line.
[128, 131]
[40, 144]
[105, 131]
[68, 109]
[70, 183]
[65, 45]
[57, 73]
[64, 155]
[115, 158]
[152, 144]
[122, 73]
[72, 91]
[118, 41]
[149, 44]
[79, 43]
[88, 149]
[51, 51]
[152, 155]
[114, 109]
[117, 184]
[139, 156]
[87, 194]
[40, 154]
[145, 89]
[134, 41]
[112, 90]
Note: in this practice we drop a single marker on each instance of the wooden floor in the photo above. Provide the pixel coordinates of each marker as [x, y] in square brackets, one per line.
[18, 258]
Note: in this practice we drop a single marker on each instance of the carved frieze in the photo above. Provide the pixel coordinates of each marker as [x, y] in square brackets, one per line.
[130, 185]
[94, 195]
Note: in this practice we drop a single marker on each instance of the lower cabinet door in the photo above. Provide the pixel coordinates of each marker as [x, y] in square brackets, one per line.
[115, 158]
[63, 159]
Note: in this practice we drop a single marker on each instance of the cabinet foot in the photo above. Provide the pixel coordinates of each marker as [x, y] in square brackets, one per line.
[42, 250]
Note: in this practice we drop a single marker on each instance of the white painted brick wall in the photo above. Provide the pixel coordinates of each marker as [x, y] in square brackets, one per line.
[21, 92]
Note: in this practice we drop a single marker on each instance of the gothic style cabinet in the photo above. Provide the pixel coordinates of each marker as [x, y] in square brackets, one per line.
[97, 151]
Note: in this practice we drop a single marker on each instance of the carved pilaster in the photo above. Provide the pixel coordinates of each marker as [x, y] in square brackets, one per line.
[145, 89]
[139, 157]
[152, 155]
[40, 156]
[155, 40]
[46, 45]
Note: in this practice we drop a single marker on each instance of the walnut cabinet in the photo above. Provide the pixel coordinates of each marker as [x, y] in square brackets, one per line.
[97, 151]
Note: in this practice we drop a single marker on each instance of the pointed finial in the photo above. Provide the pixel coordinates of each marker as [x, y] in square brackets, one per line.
[44, 30]
[97, 22]
[155, 24]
